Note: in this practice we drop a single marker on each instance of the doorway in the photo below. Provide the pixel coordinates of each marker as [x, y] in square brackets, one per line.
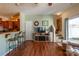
[29, 29]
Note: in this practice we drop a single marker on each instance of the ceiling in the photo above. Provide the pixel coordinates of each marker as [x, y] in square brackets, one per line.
[8, 9]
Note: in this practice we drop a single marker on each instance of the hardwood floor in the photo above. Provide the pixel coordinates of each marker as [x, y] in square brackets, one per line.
[30, 48]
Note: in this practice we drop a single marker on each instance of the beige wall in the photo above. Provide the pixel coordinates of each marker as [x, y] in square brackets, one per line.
[70, 13]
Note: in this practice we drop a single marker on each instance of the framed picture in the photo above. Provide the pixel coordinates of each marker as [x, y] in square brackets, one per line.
[45, 23]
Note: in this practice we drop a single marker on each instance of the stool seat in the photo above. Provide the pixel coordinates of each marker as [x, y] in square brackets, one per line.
[11, 39]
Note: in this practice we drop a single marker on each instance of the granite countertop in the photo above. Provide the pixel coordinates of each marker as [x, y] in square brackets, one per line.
[8, 32]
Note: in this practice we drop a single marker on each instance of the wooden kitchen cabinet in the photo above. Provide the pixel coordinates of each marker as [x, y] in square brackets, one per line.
[10, 24]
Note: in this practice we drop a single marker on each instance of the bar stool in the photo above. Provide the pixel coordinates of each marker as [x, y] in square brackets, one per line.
[21, 38]
[16, 38]
[11, 42]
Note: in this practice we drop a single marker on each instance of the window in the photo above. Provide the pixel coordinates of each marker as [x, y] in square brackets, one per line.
[73, 28]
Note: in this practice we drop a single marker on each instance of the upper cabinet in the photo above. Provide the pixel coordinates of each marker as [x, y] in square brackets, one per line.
[10, 24]
[15, 22]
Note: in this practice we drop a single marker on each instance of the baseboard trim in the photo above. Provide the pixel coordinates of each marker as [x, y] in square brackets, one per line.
[7, 52]
[60, 44]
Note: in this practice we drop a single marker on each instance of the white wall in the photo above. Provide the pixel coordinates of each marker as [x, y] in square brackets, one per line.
[22, 21]
[40, 18]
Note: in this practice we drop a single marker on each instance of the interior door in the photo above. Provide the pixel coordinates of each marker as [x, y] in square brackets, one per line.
[29, 29]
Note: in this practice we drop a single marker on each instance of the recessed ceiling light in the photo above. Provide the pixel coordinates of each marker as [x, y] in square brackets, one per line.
[59, 13]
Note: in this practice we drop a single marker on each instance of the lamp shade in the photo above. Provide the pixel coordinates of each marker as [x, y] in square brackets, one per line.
[51, 28]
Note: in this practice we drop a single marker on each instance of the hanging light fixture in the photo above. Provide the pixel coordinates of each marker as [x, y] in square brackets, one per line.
[49, 4]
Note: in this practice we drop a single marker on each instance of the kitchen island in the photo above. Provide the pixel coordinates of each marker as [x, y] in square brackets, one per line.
[3, 42]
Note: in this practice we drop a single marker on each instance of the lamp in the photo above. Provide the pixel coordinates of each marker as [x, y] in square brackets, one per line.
[51, 33]
[51, 29]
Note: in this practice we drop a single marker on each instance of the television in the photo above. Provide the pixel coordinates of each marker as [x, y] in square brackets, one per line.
[40, 29]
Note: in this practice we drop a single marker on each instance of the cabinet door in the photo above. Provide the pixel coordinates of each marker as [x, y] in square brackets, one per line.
[16, 25]
[1, 23]
[10, 25]
[6, 24]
